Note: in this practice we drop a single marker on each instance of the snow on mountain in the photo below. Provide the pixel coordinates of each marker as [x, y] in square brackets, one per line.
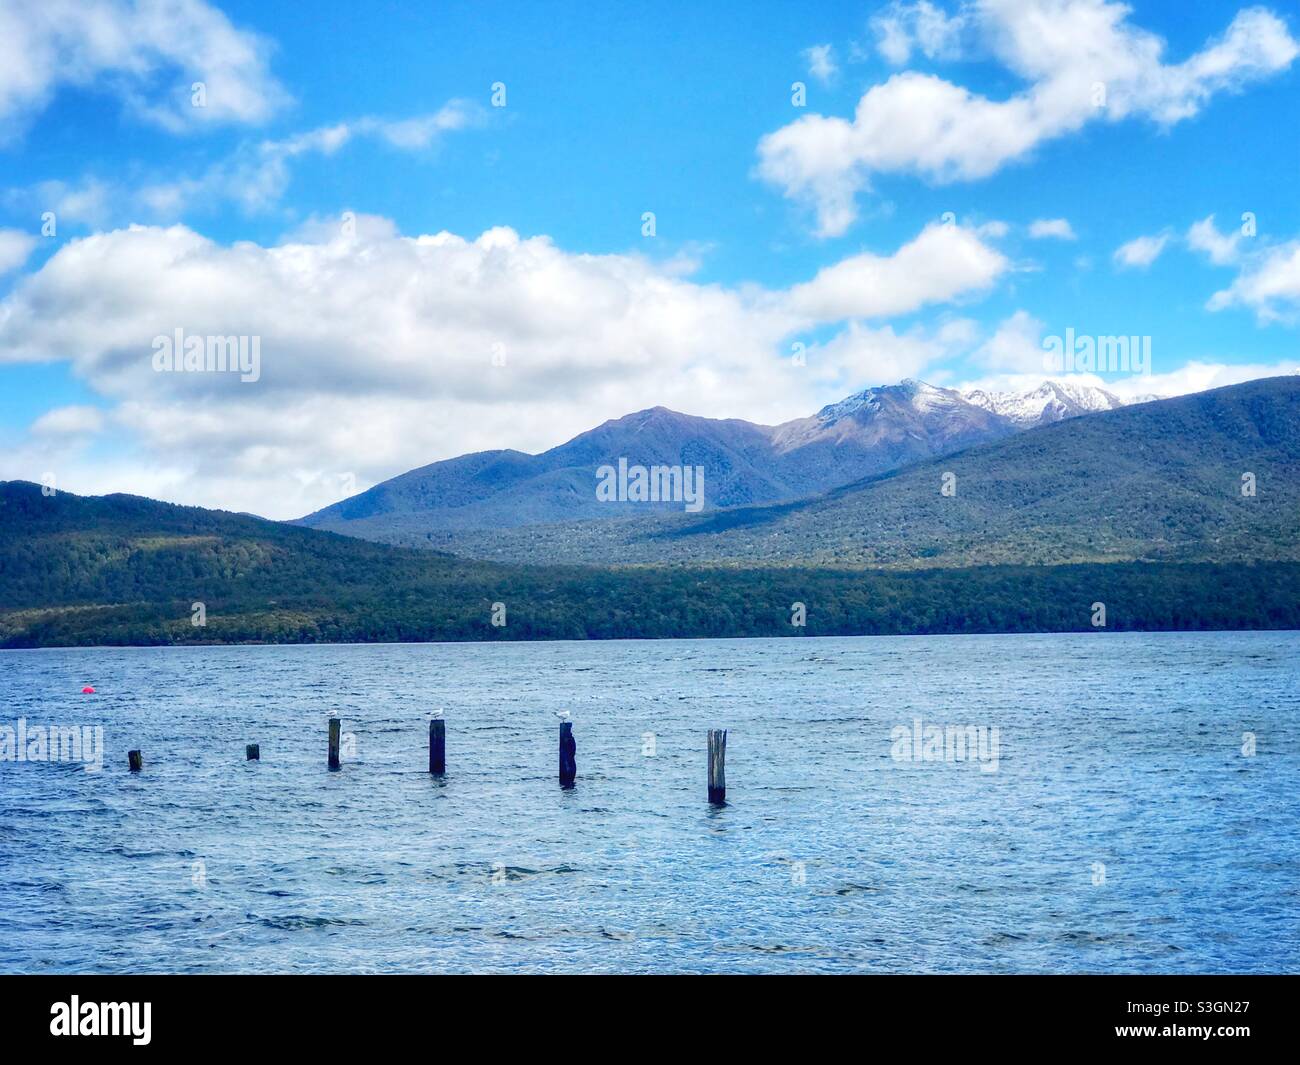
[921, 397]
[1052, 401]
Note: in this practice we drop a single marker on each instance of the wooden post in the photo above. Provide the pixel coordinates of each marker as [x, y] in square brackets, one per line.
[253, 752]
[568, 752]
[718, 766]
[135, 759]
[437, 746]
[335, 725]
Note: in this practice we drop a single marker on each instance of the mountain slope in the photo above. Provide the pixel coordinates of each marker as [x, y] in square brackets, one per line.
[1161, 481]
[872, 432]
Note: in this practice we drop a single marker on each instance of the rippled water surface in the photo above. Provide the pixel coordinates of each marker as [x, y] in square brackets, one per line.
[1115, 751]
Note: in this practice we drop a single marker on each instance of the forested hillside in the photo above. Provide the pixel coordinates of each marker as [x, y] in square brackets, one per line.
[125, 570]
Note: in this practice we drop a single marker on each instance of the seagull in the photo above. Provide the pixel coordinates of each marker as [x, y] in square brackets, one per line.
[563, 715]
[436, 715]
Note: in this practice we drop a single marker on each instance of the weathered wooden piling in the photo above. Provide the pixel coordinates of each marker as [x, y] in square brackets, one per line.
[437, 746]
[135, 759]
[718, 766]
[253, 752]
[568, 755]
[335, 725]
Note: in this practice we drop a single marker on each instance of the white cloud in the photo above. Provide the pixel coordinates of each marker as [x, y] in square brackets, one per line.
[1198, 376]
[377, 349]
[906, 27]
[940, 264]
[255, 176]
[85, 201]
[1141, 252]
[148, 53]
[892, 39]
[1221, 248]
[860, 356]
[821, 62]
[1062, 49]
[1053, 228]
[1015, 346]
[1269, 284]
[69, 421]
[15, 247]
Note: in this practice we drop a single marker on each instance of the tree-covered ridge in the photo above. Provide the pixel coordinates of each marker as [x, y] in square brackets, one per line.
[125, 570]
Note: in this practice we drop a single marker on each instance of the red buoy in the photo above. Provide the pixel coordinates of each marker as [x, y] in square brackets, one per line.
[87, 690]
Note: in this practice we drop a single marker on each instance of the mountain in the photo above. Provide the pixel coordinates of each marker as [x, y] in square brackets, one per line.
[1159, 481]
[510, 488]
[877, 430]
[1052, 401]
[874, 431]
[122, 570]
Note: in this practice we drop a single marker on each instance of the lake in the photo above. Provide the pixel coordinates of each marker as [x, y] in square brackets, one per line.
[1112, 823]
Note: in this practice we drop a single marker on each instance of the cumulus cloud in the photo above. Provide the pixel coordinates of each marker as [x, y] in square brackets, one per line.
[15, 247]
[903, 28]
[1268, 284]
[1016, 345]
[87, 201]
[1141, 252]
[940, 264]
[1051, 228]
[1198, 376]
[861, 354]
[149, 53]
[821, 62]
[1221, 248]
[380, 352]
[1081, 61]
[69, 421]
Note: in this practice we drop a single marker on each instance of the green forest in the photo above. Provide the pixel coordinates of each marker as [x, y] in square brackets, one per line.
[121, 570]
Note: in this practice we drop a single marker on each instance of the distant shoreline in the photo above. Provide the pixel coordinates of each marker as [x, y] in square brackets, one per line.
[633, 639]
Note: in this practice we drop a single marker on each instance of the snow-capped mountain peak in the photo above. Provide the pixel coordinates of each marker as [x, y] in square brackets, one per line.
[1052, 401]
[926, 397]
[922, 397]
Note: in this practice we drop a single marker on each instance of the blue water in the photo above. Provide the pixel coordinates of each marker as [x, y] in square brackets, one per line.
[1115, 751]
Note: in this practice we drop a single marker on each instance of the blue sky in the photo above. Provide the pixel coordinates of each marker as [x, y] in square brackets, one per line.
[902, 244]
